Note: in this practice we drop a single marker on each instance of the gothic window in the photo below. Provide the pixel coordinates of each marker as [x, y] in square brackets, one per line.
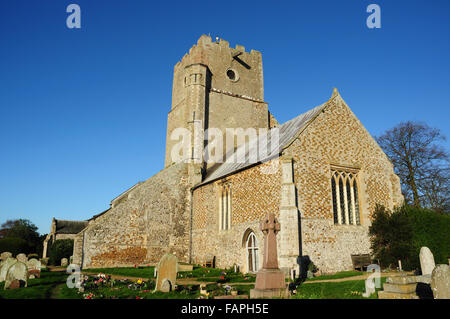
[345, 196]
[225, 208]
[252, 252]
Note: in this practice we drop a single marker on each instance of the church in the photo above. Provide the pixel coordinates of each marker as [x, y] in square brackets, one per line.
[323, 177]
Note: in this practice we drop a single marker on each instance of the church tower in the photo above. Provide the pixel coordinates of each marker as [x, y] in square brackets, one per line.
[216, 86]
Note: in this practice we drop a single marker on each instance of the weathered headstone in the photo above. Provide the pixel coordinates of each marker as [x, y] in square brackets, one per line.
[167, 273]
[5, 255]
[44, 261]
[270, 281]
[18, 271]
[34, 268]
[64, 262]
[33, 263]
[426, 261]
[5, 266]
[440, 282]
[22, 258]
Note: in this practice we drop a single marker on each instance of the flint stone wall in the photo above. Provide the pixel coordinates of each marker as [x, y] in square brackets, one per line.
[151, 221]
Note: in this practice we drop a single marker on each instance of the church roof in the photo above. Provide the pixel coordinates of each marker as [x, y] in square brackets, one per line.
[288, 132]
[69, 226]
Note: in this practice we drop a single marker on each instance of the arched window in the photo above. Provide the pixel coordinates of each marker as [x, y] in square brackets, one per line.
[344, 188]
[225, 208]
[251, 247]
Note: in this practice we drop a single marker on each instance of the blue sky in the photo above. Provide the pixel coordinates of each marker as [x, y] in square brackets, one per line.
[83, 111]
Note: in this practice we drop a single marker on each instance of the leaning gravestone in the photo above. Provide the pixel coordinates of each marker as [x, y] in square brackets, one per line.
[5, 266]
[64, 262]
[22, 258]
[426, 261]
[167, 273]
[18, 271]
[5, 255]
[440, 282]
[34, 268]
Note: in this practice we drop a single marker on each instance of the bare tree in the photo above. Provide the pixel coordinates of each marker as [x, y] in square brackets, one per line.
[420, 162]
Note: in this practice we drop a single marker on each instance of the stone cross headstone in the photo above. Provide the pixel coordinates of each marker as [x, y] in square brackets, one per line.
[5, 266]
[64, 262]
[270, 227]
[166, 273]
[22, 258]
[426, 261]
[270, 280]
[5, 255]
[440, 282]
[18, 271]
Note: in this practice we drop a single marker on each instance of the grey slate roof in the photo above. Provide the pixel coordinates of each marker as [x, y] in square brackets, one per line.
[287, 133]
[69, 226]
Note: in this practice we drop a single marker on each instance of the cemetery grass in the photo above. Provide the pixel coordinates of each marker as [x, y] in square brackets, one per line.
[138, 271]
[351, 289]
[198, 273]
[40, 288]
[339, 275]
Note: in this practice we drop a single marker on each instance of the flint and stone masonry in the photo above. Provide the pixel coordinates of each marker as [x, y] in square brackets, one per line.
[181, 209]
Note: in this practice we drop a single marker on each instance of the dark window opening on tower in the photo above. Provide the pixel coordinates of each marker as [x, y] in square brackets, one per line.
[231, 75]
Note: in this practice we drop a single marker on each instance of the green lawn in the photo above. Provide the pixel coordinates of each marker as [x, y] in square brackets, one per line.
[41, 288]
[198, 273]
[138, 272]
[53, 285]
[342, 274]
[351, 289]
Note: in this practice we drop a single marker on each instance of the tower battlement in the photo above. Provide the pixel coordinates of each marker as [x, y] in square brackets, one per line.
[205, 42]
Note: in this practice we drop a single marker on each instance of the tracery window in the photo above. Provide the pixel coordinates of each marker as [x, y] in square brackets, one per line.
[344, 187]
[225, 208]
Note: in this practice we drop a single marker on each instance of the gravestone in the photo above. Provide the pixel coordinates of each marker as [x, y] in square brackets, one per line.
[33, 263]
[426, 261]
[5, 255]
[34, 268]
[166, 273]
[440, 282]
[5, 266]
[18, 271]
[44, 261]
[64, 262]
[22, 258]
[270, 281]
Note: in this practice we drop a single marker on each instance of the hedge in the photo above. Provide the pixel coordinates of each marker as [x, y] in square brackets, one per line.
[400, 235]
